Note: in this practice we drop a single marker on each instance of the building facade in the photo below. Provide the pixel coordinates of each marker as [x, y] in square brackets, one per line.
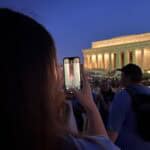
[114, 53]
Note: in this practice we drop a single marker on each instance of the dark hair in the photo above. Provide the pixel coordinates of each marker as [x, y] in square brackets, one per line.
[30, 103]
[133, 72]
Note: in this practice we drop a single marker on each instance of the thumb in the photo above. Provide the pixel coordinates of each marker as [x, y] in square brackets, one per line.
[74, 91]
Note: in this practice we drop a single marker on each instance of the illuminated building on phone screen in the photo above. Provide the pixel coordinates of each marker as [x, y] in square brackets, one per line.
[114, 53]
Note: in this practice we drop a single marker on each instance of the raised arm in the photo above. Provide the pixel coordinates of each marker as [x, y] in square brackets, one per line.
[95, 123]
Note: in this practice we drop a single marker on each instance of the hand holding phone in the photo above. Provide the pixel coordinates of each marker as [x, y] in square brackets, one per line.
[85, 96]
[72, 74]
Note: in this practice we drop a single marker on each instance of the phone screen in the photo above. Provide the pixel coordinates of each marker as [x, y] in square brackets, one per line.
[72, 73]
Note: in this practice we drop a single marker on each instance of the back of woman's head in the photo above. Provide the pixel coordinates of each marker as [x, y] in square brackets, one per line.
[27, 80]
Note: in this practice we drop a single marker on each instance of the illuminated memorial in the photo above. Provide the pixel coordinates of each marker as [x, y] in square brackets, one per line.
[114, 53]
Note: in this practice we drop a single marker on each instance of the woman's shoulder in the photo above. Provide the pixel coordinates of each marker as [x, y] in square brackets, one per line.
[91, 142]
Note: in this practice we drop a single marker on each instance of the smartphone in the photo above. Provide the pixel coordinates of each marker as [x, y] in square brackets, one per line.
[72, 75]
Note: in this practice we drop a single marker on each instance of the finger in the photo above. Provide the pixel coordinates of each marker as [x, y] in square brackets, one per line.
[84, 79]
[83, 75]
[86, 85]
[74, 91]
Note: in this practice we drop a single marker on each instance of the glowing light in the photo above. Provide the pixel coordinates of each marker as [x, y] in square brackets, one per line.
[100, 61]
[146, 59]
[106, 60]
[112, 61]
[138, 56]
[93, 58]
[94, 63]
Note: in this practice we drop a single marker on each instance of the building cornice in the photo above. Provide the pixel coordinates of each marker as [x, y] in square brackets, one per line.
[122, 47]
[122, 40]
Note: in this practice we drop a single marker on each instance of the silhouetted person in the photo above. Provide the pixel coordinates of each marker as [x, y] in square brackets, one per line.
[33, 109]
[124, 126]
[104, 99]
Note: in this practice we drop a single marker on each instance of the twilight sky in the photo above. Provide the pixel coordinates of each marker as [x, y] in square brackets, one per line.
[74, 24]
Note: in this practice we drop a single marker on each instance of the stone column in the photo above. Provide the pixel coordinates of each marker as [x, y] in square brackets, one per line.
[103, 61]
[118, 65]
[100, 59]
[91, 64]
[98, 67]
[112, 60]
[96, 61]
[126, 57]
[88, 61]
[85, 61]
[134, 58]
[142, 57]
[110, 64]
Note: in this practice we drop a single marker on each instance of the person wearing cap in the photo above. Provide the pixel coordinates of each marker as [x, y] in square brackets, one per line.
[122, 123]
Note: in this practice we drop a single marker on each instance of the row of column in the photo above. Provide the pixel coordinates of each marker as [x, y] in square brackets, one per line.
[111, 60]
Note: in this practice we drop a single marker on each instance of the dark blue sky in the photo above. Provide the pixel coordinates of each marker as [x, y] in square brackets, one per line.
[74, 24]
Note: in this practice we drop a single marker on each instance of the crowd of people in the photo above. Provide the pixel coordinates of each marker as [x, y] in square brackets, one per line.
[36, 112]
[124, 106]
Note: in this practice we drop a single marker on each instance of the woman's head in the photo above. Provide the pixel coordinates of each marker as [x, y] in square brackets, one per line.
[28, 79]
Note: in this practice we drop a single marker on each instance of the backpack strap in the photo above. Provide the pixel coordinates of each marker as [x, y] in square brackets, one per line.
[139, 100]
[133, 94]
[141, 107]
